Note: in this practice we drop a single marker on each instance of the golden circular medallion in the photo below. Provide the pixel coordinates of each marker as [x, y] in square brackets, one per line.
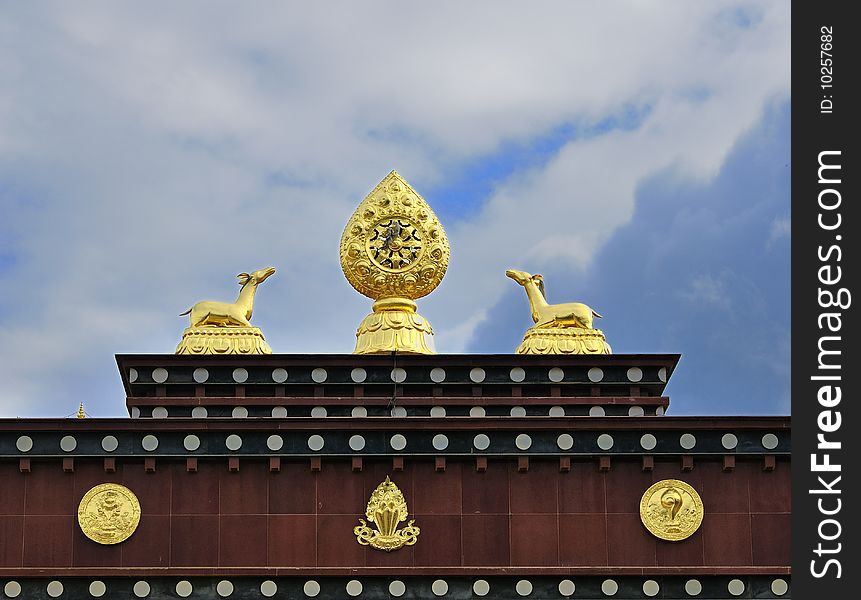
[671, 510]
[109, 513]
[394, 246]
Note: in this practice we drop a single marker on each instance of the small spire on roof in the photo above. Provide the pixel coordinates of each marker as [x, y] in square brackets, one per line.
[81, 413]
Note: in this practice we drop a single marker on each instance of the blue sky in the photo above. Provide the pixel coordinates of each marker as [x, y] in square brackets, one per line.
[638, 158]
[701, 269]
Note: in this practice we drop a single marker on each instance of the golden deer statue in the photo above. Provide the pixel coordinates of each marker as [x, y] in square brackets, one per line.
[223, 314]
[570, 314]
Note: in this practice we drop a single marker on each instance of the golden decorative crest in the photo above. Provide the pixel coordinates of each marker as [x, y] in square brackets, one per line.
[394, 250]
[386, 508]
[671, 510]
[559, 328]
[224, 327]
[109, 513]
[393, 245]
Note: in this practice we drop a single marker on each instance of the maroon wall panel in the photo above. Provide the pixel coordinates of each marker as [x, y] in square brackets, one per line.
[501, 517]
[11, 540]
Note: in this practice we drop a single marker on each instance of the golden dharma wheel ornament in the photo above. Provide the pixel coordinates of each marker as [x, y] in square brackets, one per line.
[394, 250]
[671, 510]
[109, 513]
[386, 508]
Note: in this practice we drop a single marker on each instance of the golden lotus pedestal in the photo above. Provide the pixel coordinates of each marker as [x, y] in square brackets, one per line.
[563, 340]
[223, 340]
[394, 326]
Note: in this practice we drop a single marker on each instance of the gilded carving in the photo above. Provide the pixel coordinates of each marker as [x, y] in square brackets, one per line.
[545, 340]
[559, 328]
[386, 508]
[394, 250]
[671, 510]
[223, 340]
[109, 513]
[394, 246]
[397, 329]
[225, 327]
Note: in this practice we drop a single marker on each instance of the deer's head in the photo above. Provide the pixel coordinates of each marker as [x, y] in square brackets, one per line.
[521, 277]
[255, 277]
[524, 278]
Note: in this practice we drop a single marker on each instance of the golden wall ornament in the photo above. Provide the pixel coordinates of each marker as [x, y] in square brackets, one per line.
[386, 508]
[559, 328]
[109, 513]
[394, 250]
[223, 327]
[671, 510]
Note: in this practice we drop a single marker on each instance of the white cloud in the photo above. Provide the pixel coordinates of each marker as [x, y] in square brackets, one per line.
[140, 150]
[781, 228]
[709, 290]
